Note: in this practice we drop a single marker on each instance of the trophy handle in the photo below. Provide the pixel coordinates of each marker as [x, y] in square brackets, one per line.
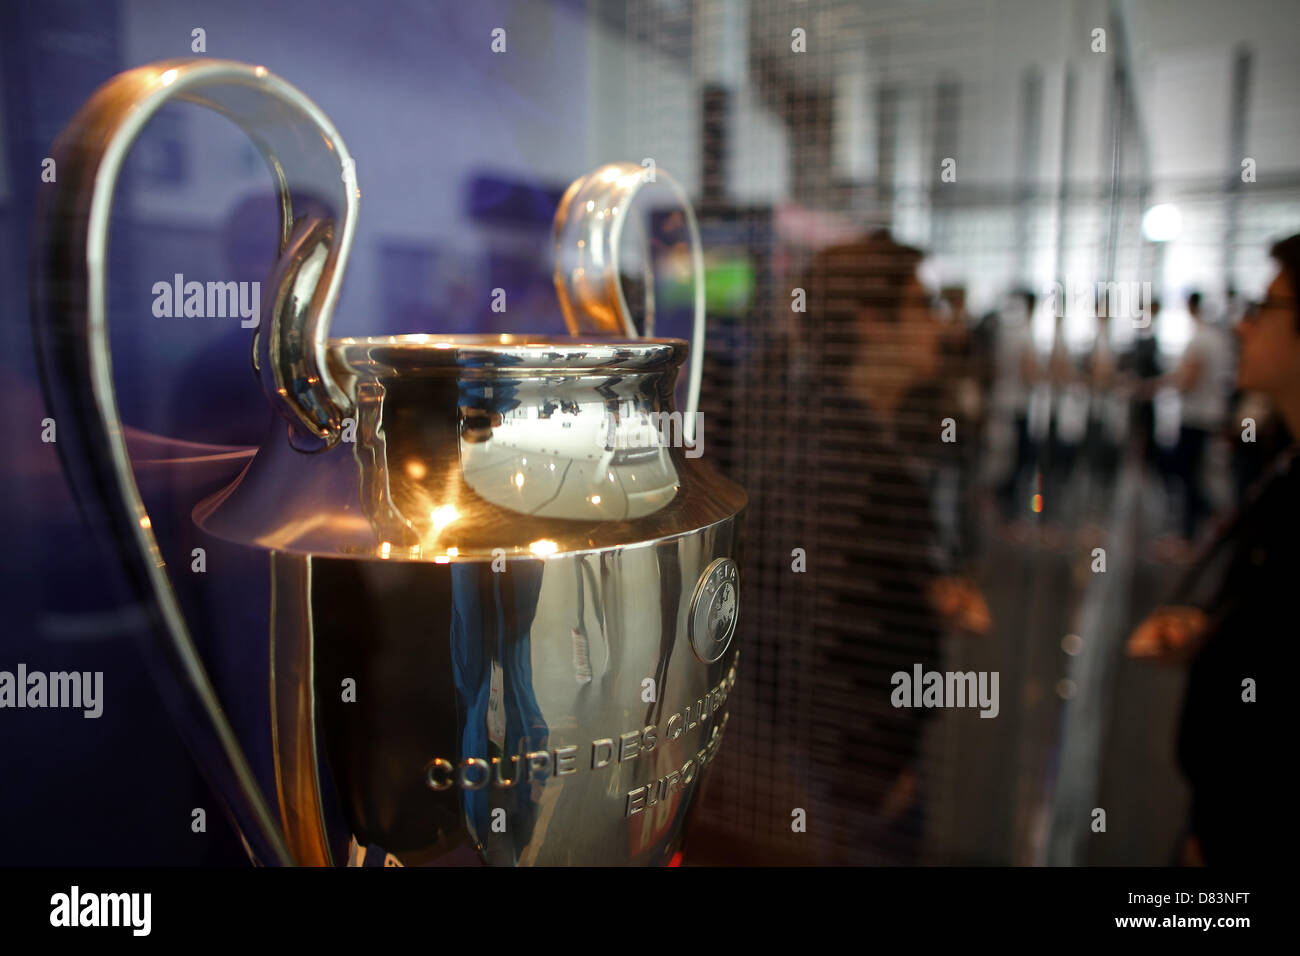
[69, 316]
[588, 231]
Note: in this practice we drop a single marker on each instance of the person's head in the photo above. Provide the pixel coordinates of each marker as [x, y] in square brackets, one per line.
[877, 314]
[954, 296]
[1147, 333]
[1019, 305]
[1194, 305]
[1270, 331]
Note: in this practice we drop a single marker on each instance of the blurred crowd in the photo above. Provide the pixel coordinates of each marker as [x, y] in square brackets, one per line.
[936, 431]
[1057, 418]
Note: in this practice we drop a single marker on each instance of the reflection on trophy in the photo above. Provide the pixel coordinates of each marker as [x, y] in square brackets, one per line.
[503, 599]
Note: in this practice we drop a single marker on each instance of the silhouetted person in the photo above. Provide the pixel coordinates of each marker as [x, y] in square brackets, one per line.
[1233, 614]
[1143, 362]
[1067, 427]
[1017, 373]
[1199, 379]
[876, 447]
[1107, 416]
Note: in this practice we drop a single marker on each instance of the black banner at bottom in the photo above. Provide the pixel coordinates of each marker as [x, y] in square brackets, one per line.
[236, 905]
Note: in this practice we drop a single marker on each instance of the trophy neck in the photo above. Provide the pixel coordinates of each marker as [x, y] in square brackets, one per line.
[477, 447]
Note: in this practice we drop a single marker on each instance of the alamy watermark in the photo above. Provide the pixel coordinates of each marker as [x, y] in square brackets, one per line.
[130, 910]
[213, 300]
[922, 688]
[1130, 300]
[655, 430]
[70, 689]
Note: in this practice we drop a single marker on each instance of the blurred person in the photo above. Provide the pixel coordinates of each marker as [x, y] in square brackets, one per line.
[1232, 615]
[893, 588]
[1107, 425]
[1153, 430]
[984, 357]
[1200, 380]
[1250, 410]
[1142, 363]
[953, 300]
[1017, 371]
[1066, 430]
[1251, 458]
[960, 367]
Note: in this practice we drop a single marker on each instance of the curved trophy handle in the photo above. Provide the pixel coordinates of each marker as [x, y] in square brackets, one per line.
[588, 232]
[310, 164]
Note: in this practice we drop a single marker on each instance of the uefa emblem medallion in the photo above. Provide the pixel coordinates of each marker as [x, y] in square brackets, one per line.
[714, 610]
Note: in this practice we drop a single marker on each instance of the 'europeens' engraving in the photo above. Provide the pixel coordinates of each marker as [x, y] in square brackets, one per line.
[643, 798]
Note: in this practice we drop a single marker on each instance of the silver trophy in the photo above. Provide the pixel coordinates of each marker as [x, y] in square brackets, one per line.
[503, 590]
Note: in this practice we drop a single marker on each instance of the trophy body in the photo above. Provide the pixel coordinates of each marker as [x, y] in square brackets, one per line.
[520, 648]
[483, 726]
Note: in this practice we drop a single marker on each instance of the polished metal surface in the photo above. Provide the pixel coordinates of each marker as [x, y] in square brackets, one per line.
[290, 354]
[592, 260]
[550, 712]
[535, 615]
[502, 593]
[310, 166]
[466, 446]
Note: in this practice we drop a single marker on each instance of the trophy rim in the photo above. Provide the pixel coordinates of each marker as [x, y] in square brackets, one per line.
[507, 352]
